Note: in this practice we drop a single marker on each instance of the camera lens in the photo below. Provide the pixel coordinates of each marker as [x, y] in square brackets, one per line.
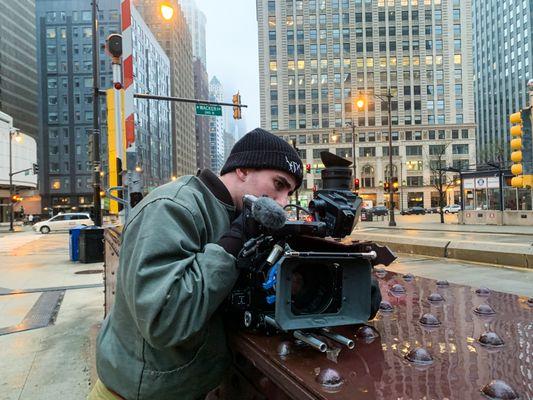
[315, 289]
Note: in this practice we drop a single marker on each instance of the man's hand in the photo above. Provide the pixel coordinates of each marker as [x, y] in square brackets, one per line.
[233, 240]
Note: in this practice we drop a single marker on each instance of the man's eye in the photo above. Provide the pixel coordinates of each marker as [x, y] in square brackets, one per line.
[278, 184]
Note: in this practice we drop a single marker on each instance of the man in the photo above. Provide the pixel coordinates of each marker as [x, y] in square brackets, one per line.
[164, 338]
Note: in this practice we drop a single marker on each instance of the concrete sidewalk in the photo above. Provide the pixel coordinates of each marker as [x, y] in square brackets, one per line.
[56, 361]
[425, 235]
[432, 223]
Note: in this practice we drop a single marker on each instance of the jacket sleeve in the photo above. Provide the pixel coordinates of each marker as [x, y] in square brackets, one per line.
[171, 282]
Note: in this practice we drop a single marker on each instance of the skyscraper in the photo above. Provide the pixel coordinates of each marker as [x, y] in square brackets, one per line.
[503, 63]
[317, 57]
[175, 39]
[153, 132]
[216, 127]
[18, 64]
[201, 91]
[196, 21]
[64, 59]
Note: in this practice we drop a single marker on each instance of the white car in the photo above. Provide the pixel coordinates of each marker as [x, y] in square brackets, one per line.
[452, 208]
[62, 222]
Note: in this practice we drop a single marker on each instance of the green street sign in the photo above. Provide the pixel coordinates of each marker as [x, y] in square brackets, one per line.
[207, 109]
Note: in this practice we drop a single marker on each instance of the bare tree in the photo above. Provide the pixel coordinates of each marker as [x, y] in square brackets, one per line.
[440, 178]
[493, 151]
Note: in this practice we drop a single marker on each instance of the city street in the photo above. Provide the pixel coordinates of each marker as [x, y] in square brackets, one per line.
[57, 360]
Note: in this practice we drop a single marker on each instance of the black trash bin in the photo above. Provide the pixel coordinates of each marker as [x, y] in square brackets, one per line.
[366, 215]
[91, 245]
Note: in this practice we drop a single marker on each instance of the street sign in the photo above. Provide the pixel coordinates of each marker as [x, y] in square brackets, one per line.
[206, 109]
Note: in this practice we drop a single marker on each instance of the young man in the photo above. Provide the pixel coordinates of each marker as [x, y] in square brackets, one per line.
[164, 338]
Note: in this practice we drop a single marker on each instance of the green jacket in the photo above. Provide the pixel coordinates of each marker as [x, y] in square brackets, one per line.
[164, 338]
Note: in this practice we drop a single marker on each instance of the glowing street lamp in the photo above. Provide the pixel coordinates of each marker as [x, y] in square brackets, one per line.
[167, 11]
[360, 103]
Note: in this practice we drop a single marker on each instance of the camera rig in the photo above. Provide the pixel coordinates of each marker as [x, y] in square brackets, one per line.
[295, 279]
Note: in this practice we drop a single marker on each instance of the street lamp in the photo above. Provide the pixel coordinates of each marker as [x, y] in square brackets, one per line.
[13, 134]
[360, 102]
[167, 11]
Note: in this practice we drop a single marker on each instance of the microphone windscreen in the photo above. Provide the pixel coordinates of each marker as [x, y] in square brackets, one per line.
[269, 213]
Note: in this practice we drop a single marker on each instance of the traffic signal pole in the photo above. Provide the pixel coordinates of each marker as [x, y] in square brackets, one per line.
[96, 119]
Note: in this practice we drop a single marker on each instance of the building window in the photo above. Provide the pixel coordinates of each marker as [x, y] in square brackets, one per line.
[415, 181]
[414, 165]
[460, 149]
[367, 151]
[413, 150]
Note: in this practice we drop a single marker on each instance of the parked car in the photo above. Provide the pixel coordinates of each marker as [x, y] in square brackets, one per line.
[452, 208]
[413, 211]
[63, 221]
[380, 210]
[432, 210]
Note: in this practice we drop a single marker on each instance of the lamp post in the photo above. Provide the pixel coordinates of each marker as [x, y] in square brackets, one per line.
[388, 98]
[352, 125]
[13, 133]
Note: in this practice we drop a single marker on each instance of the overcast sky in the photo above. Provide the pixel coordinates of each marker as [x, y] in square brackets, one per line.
[232, 54]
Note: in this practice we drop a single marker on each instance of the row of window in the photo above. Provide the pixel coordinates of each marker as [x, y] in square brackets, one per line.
[431, 106]
[438, 150]
[439, 119]
[336, 138]
[368, 62]
[298, 5]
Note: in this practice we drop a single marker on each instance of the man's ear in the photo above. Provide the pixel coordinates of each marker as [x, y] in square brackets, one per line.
[242, 173]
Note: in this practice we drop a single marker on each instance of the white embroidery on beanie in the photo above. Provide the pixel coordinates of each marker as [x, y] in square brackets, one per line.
[294, 166]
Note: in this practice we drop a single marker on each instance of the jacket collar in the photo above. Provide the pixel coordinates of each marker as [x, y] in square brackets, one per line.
[215, 186]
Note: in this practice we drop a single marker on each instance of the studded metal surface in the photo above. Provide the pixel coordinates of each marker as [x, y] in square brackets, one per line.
[455, 361]
[42, 314]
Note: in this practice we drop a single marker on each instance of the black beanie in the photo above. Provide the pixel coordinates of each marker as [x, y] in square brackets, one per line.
[262, 150]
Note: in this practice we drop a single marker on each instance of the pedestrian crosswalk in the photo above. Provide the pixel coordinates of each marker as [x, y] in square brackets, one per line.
[10, 242]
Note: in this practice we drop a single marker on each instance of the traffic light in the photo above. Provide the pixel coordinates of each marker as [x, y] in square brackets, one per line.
[237, 109]
[113, 45]
[521, 144]
[356, 184]
[395, 184]
[308, 168]
[386, 186]
[35, 168]
[16, 198]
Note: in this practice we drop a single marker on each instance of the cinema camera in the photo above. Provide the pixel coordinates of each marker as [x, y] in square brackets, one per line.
[295, 279]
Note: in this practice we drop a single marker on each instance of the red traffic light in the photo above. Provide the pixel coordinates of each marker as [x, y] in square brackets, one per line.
[356, 184]
[308, 168]
[117, 85]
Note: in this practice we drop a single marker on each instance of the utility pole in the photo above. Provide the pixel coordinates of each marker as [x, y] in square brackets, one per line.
[392, 221]
[96, 118]
[296, 191]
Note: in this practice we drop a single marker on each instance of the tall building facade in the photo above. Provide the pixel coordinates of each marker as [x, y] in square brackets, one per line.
[503, 64]
[197, 22]
[18, 64]
[201, 91]
[317, 57]
[153, 135]
[175, 39]
[65, 97]
[216, 127]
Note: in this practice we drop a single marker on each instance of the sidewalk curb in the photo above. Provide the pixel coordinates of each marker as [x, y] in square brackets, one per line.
[459, 250]
[438, 230]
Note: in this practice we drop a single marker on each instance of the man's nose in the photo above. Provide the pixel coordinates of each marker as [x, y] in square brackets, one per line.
[282, 200]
